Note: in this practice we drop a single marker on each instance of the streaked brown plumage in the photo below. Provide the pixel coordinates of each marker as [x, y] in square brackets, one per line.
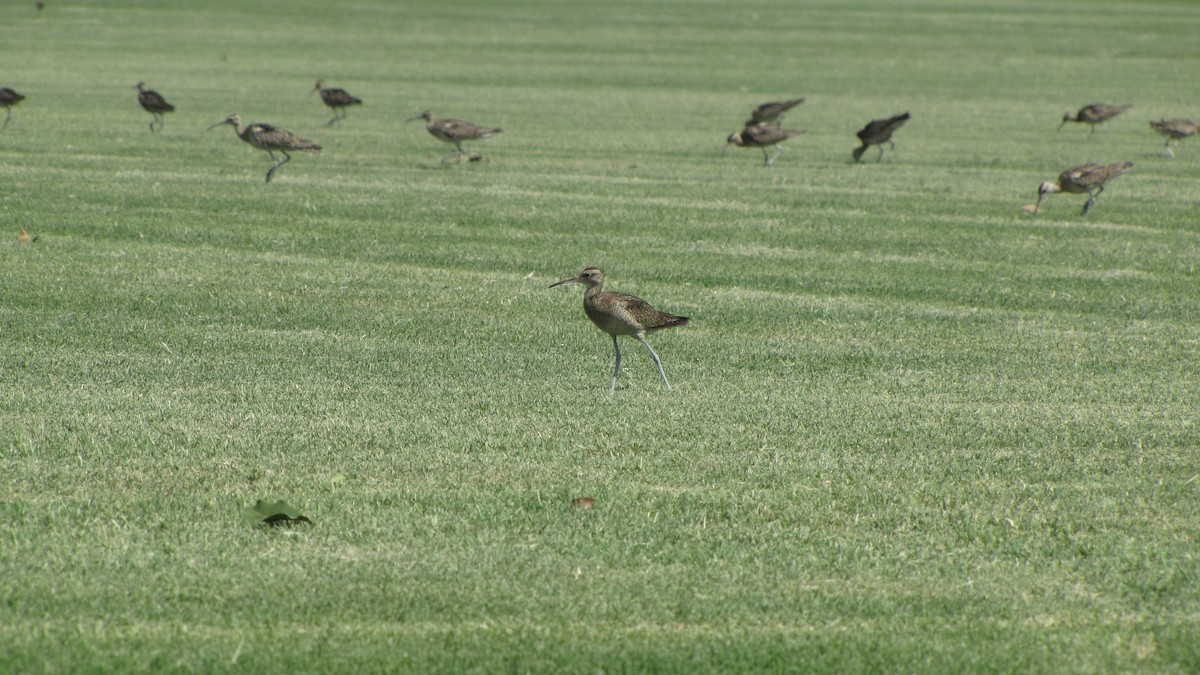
[337, 99]
[1174, 130]
[1083, 179]
[9, 98]
[621, 314]
[878, 132]
[773, 111]
[762, 136]
[454, 131]
[1095, 113]
[153, 103]
[269, 138]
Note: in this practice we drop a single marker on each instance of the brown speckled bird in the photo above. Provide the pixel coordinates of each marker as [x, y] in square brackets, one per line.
[762, 136]
[269, 138]
[337, 99]
[454, 131]
[878, 132]
[772, 112]
[9, 98]
[1175, 129]
[621, 314]
[1096, 113]
[153, 103]
[1085, 178]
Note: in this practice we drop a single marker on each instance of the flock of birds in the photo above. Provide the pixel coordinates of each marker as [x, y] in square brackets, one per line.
[617, 313]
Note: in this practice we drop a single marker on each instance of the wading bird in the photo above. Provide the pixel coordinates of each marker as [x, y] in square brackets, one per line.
[1085, 178]
[153, 103]
[1096, 113]
[269, 138]
[1174, 130]
[337, 99]
[772, 112]
[762, 136]
[621, 314]
[878, 132]
[454, 131]
[9, 98]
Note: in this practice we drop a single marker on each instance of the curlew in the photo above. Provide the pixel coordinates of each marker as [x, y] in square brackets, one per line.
[337, 99]
[1174, 130]
[762, 136]
[1085, 178]
[621, 314]
[153, 103]
[1096, 113]
[878, 132]
[269, 138]
[9, 98]
[454, 131]
[772, 112]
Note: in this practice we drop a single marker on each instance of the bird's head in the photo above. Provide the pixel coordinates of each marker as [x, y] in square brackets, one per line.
[1043, 190]
[734, 139]
[234, 120]
[319, 87]
[590, 276]
[140, 86]
[427, 116]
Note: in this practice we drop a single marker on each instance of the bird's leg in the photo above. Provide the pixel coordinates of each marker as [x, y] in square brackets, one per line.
[7, 117]
[1087, 208]
[1167, 145]
[617, 368]
[769, 159]
[278, 163]
[880, 157]
[656, 361]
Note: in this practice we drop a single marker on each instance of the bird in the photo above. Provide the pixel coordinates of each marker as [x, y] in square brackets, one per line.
[9, 98]
[153, 103]
[773, 111]
[1093, 114]
[878, 132]
[762, 135]
[454, 131]
[621, 314]
[337, 99]
[24, 237]
[1175, 129]
[269, 138]
[1085, 178]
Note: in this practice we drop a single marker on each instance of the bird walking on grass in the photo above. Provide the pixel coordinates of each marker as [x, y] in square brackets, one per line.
[772, 112]
[337, 99]
[153, 103]
[762, 136]
[1083, 179]
[1093, 114]
[9, 98]
[454, 131]
[1174, 130]
[878, 132]
[269, 138]
[621, 314]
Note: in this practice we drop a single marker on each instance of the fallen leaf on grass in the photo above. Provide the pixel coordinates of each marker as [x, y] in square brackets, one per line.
[273, 513]
[583, 502]
[24, 238]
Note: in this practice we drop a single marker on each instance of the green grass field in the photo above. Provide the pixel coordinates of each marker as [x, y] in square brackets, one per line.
[914, 429]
